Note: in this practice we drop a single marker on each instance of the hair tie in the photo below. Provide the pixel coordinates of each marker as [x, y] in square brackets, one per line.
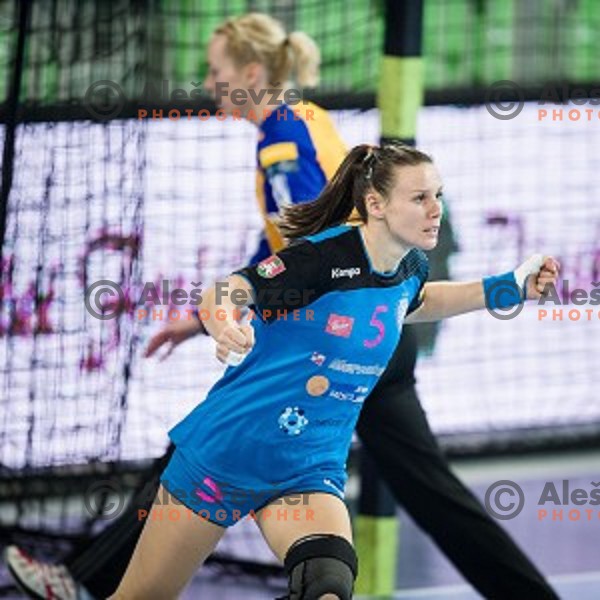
[369, 161]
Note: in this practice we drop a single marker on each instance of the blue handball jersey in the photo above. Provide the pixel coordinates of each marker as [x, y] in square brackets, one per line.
[328, 326]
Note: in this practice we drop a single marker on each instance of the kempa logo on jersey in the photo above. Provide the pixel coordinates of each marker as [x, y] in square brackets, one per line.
[355, 369]
[337, 272]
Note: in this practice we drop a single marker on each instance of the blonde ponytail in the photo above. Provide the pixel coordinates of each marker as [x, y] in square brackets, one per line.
[307, 59]
[257, 37]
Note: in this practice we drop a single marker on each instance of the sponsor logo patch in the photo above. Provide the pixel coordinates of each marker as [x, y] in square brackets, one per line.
[349, 393]
[318, 358]
[355, 369]
[317, 385]
[339, 325]
[270, 267]
[329, 422]
[293, 421]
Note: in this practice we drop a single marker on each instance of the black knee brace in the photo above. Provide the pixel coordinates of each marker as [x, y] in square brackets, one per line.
[321, 564]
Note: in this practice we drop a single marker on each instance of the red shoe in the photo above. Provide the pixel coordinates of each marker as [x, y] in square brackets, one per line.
[40, 580]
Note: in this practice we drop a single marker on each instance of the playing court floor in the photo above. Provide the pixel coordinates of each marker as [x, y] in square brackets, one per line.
[565, 550]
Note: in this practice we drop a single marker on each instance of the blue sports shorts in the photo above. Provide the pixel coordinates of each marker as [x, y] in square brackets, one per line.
[216, 501]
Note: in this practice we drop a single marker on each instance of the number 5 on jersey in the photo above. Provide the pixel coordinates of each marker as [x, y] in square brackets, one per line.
[379, 325]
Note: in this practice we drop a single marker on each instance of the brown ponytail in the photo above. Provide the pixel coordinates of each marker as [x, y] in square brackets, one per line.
[365, 168]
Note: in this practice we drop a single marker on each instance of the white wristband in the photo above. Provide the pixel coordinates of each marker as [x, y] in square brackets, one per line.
[531, 266]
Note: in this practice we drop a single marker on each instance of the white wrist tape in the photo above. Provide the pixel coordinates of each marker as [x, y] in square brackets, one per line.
[233, 359]
[530, 267]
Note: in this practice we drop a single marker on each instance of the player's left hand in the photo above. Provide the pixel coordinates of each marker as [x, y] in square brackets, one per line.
[544, 273]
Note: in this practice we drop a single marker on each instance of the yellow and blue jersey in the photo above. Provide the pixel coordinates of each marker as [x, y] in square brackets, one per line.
[298, 152]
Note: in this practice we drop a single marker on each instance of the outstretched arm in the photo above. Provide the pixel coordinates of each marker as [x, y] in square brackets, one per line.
[443, 299]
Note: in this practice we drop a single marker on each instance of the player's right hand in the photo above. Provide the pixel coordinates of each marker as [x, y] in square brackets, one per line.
[234, 342]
